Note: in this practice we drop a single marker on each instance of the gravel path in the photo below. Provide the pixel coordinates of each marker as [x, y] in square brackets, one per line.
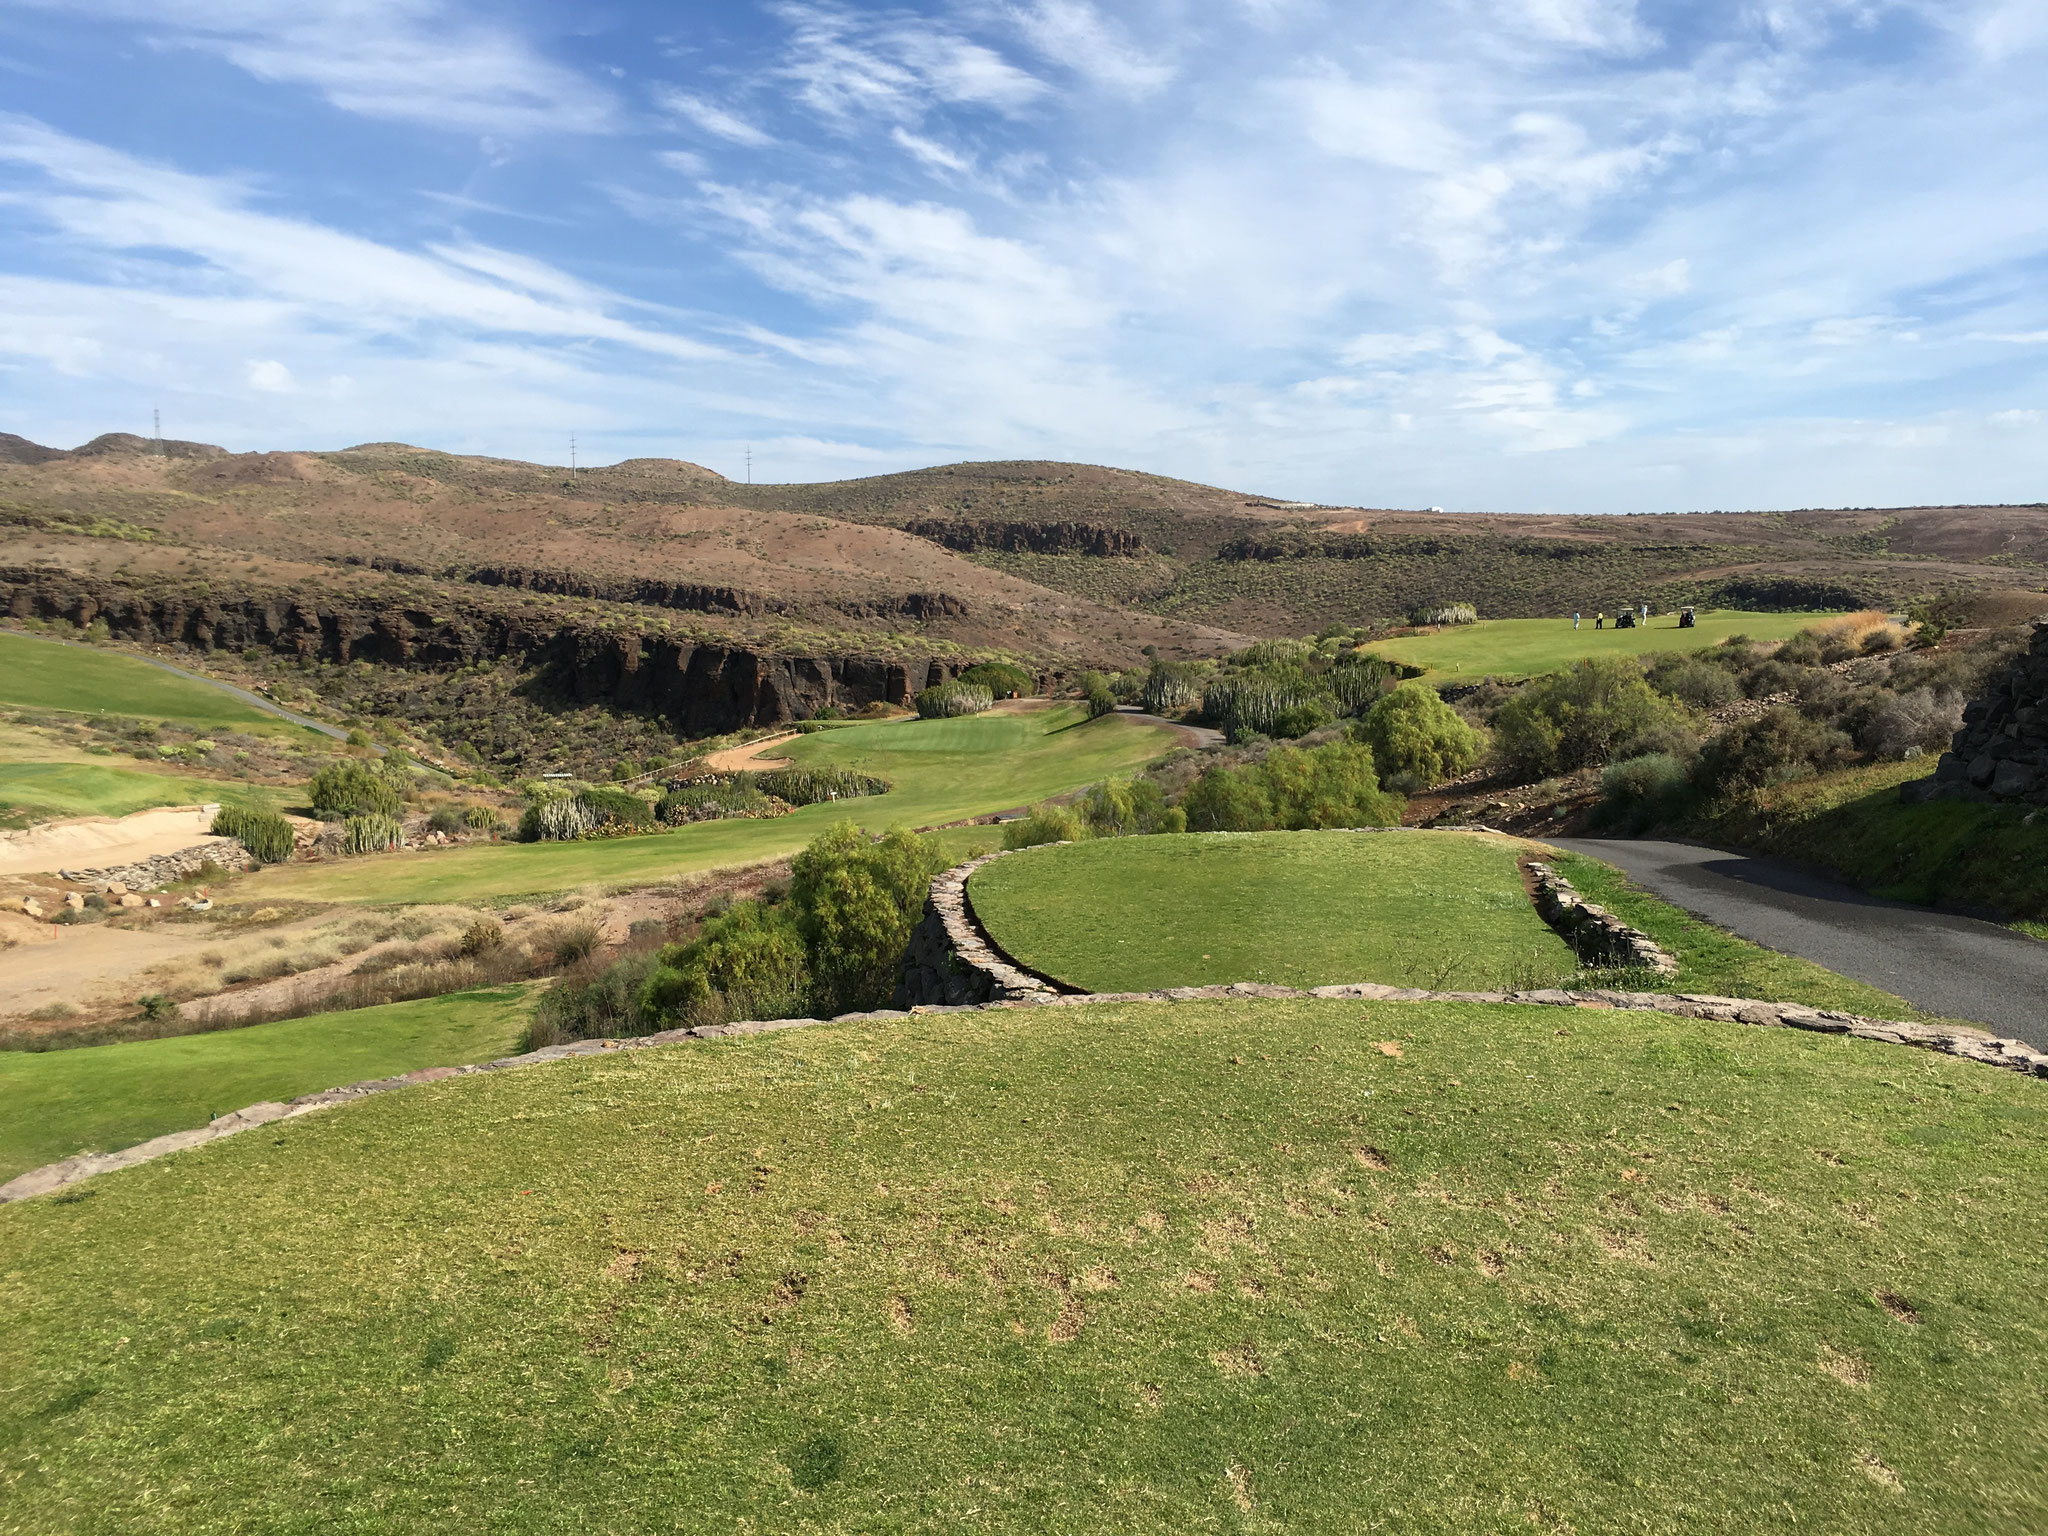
[1958, 967]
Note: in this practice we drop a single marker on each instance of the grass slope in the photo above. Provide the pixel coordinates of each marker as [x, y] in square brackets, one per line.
[1528, 647]
[103, 1098]
[1304, 909]
[942, 770]
[1323, 1267]
[36, 674]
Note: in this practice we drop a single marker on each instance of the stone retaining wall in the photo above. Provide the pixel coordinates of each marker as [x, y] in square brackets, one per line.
[1970, 1044]
[1594, 932]
[951, 961]
[166, 868]
[2001, 753]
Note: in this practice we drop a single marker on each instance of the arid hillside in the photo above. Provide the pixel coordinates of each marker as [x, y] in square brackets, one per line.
[1062, 563]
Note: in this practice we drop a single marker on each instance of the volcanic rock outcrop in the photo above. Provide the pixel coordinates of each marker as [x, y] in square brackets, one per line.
[2001, 753]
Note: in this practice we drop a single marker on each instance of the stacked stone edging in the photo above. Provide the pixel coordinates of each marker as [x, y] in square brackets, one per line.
[166, 868]
[1976, 1045]
[951, 961]
[1593, 931]
[2001, 753]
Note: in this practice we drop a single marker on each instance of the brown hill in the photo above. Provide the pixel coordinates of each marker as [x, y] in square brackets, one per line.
[1064, 563]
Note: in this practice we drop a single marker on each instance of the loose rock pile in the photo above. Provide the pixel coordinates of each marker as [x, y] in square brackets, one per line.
[2001, 753]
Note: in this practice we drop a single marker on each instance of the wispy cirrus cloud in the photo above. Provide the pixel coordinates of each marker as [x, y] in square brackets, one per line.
[418, 61]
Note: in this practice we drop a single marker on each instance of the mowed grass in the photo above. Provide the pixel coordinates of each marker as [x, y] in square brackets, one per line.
[1529, 647]
[37, 674]
[45, 791]
[1443, 910]
[941, 770]
[1304, 1266]
[105, 1097]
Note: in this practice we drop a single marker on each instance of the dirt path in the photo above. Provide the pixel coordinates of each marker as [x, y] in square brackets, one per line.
[101, 842]
[750, 758]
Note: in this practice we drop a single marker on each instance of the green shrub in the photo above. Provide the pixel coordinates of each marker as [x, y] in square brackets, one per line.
[615, 811]
[813, 786]
[1046, 824]
[267, 835]
[1000, 678]
[750, 950]
[371, 833]
[1639, 792]
[479, 818]
[1301, 719]
[1693, 680]
[1257, 702]
[1596, 710]
[348, 788]
[1100, 702]
[945, 701]
[1133, 807]
[1171, 687]
[447, 819]
[1293, 789]
[856, 902]
[156, 1007]
[595, 1004]
[1778, 746]
[1413, 732]
[710, 802]
[1358, 678]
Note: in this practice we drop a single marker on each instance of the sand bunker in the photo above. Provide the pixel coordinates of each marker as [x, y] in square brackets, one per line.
[101, 842]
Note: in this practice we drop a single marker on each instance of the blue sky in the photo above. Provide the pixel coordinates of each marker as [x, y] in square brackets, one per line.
[1514, 255]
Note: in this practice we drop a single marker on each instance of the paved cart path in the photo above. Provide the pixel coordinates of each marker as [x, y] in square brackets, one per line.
[1958, 967]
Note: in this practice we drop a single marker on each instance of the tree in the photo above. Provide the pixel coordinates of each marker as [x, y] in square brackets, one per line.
[1413, 732]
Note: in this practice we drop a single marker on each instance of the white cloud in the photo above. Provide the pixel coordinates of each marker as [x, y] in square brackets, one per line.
[929, 151]
[270, 375]
[712, 118]
[1074, 33]
[419, 61]
[846, 65]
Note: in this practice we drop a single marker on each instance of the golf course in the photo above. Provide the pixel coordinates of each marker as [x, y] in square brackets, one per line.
[1515, 648]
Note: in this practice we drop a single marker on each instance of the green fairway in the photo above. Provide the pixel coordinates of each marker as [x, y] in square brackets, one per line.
[35, 674]
[43, 791]
[1528, 647]
[942, 770]
[1314, 1267]
[104, 1097]
[1440, 910]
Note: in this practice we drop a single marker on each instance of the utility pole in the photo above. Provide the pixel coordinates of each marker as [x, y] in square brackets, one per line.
[572, 455]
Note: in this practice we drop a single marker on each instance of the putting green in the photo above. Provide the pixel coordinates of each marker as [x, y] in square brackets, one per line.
[1442, 910]
[1530, 647]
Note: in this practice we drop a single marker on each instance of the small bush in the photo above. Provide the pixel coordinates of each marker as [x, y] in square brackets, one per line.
[156, 1007]
[856, 902]
[1597, 710]
[1413, 732]
[814, 786]
[1134, 807]
[267, 835]
[373, 833]
[446, 820]
[1641, 791]
[480, 818]
[1776, 747]
[1101, 702]
[483, 937]
[1694, 681]
[686, 803]
[1046, 824]
[570, 943]
[1000, 678]
[946, 701]
[1919, 720]
[750, 950]
[347, 788]
[1293, 789]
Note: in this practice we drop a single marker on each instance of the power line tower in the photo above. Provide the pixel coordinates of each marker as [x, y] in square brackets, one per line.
[572, 455]
[156, 430]
[750, 463]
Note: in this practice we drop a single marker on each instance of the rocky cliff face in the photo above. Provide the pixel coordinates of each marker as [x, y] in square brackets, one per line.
[2001, 753]
[698, 689]
[1056, 538]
